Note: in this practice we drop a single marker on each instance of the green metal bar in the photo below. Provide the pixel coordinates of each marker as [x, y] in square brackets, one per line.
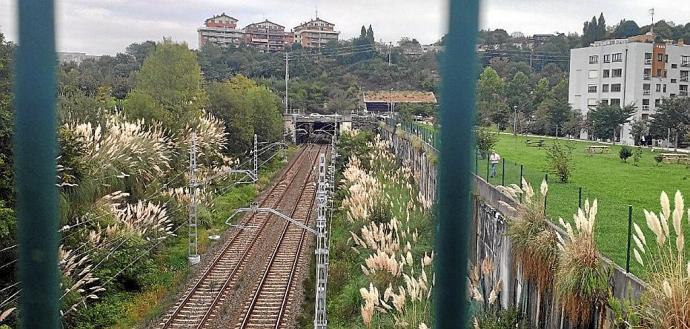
[627, 256]
[503, 173]
[522, 167]
[454, 203]
[35, 152]
[579, 198]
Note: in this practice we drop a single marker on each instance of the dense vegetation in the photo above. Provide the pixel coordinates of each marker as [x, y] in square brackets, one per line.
[125, 128]
[380, 273]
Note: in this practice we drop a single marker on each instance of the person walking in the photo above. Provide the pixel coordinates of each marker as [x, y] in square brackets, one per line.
[494, 158]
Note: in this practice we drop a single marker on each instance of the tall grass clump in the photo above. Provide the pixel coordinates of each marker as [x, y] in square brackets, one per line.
[665, 303]
[534, 242]
[581, 279]
[383, 219]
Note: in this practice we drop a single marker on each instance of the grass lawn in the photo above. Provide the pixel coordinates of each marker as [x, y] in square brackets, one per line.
[605, 177]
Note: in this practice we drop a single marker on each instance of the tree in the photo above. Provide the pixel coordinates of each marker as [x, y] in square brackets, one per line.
[554, 111]
[370, 35]
[638, 128]
[671, 118]
[601, 28]
[491, 106]
[625, 152]
[228, 102]
[518, 94]
[268, 119]
[606, 119]
[339, 102]
[141, 51]
[6, 122]
[169, 83]
[626, 29]
[213, 62]
[559, 159]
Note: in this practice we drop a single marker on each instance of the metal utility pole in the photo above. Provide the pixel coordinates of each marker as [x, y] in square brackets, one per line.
[320, 318]
[193, 255]
[256, 157]
[287, 78]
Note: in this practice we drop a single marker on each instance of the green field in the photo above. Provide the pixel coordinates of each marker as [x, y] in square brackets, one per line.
[616, 184]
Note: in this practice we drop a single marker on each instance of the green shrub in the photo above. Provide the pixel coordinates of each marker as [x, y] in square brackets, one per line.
[637, 156]
[485, 140]
[625, 152]
[559, 159]
[658, 159]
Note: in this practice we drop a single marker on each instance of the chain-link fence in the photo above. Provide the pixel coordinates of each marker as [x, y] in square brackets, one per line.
[563, 199]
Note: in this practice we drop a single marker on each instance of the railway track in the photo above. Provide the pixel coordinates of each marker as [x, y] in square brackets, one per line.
[198, 307]
[273, 297]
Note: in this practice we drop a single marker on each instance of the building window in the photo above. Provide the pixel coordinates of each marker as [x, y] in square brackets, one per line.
[616, 73]
[592, 88]
[659, 57]
[593, 59]
[673, 66]
[666, 58]
[604, 88]
[673, 80]
[646, 88]
[591, 102]
[684, 61]
[604, 101]
[645, 104]
[657, 102]
[593, 74]
[616, 87]
[684, 76]
[664, 87]
[658, 87]
[664, 73]
[683, 90]
[648, 58]
[607, 73]
[615, 102]
[617, 57]
[607, 58]
[647, 74]
[645, 117]
[658, 72]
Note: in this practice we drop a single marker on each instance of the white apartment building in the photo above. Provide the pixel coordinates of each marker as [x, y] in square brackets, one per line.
[628, 71]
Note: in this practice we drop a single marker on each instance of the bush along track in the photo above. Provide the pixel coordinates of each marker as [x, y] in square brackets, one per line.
[380, 272]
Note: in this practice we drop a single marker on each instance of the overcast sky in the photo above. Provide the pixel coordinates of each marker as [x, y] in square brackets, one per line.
[108, 26]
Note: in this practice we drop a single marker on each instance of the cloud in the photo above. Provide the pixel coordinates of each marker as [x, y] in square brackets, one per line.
[108, 26]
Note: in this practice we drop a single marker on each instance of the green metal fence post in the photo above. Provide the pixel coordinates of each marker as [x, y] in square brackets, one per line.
[454, 197]
[522, 167]
[627, 256]
[35, 165]
[503, 173]
[488, 160]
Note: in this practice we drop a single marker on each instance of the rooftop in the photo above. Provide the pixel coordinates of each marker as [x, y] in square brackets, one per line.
[399, 97]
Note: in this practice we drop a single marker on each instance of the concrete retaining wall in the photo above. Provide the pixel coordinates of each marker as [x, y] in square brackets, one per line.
[491, 210]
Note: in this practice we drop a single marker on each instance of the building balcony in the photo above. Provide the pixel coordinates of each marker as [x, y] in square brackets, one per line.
[683, 93]
[685, 64]
[648, 61]
[645, 107]
[646, 92]
[684, 79]
[646, 77]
